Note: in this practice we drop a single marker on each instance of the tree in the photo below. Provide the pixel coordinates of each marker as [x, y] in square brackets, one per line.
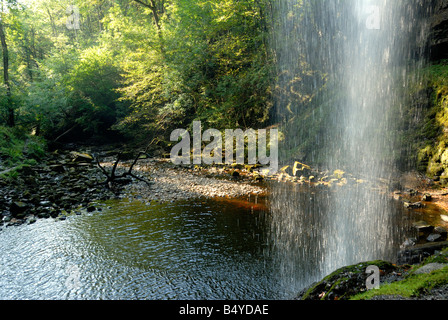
[10, 121]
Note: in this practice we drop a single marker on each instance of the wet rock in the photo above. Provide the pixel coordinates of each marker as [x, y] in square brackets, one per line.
[408, 243]
[15, 222]
[398, 195]
[434, 237]
[81, 157]
[348, 281]
[58, 168]
[31, 220]
[415, 205]
[44, 213]
[235, 173]
[418, 253]
[54, 213]
[430, 267]
[18, 208]
[427, 197]
[424, 229]
[442, 231]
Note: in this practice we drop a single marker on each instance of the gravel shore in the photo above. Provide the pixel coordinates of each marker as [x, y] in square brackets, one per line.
[170, 183]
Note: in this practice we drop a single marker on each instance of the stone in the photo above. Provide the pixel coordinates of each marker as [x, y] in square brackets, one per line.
[54, 213]
[424, 229]
[430, 267]
[18, 208]
[58, 168]
[408, 243]
[31, 220]
[427, 197]
[81, 157]
[442, 231]
[433, 237]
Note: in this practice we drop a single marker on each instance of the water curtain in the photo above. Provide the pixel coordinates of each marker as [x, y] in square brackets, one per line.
[344, 72]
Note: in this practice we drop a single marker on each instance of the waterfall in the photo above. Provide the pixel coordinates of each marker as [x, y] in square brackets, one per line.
[344, 71]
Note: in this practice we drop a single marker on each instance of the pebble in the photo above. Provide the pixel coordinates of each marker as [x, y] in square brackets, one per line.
[176, 183]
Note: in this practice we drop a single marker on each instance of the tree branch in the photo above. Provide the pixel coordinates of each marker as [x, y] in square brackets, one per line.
[144, 4]
[110, 178]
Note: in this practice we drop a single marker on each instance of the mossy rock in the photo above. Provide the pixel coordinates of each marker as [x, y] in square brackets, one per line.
[417, 284]
[347, 281]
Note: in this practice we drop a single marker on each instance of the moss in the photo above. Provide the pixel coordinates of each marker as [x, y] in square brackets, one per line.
[18, 149]
[414, 285]
[345, 282]
[429, 137]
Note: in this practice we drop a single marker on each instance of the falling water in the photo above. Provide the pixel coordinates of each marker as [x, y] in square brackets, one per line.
[345, 67]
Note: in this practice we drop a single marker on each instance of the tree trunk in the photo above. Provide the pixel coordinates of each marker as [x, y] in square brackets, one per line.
[152, 5]
[10, 121]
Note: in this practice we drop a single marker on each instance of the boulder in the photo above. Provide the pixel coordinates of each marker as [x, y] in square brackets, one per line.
[58, 168]
[442, 231]
[348, 281]
[413, 205]
[81, 157]
[430, 267]
[433, 237]
[424, 229]
[18, 208]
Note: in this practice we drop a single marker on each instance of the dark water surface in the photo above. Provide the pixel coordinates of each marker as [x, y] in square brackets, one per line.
[201, 249]
[195, 249]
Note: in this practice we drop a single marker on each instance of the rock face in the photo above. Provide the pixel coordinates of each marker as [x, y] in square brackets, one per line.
[439, 30]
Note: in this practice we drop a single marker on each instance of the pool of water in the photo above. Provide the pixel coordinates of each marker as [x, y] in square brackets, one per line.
[215, 249]
[202, 249]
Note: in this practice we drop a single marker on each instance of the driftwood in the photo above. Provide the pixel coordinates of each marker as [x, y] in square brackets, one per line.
[112, 177]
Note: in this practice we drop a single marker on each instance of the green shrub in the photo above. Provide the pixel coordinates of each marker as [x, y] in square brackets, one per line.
[18, 148]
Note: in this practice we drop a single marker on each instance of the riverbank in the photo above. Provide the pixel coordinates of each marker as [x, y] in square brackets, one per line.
[70, 182]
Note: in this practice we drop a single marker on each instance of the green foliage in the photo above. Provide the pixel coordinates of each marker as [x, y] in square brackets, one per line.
[17, 148]
[219, 74]
[137, 70]
[93, 82]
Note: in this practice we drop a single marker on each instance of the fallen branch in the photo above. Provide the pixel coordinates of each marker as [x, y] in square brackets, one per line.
[112, 176]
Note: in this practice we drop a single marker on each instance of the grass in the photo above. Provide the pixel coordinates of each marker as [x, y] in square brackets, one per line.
[18, 149]
[414, 285]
